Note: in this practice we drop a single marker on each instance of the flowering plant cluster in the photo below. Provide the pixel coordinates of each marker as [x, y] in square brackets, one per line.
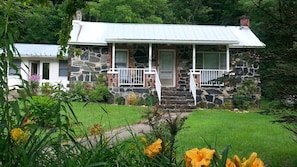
[153, 149]
[203, 157]
[96, 129]
[34, 77]
[34, 83]
[252, 161]
[197, 158]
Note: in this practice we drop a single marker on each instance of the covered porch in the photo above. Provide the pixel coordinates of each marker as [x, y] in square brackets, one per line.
[167, 67]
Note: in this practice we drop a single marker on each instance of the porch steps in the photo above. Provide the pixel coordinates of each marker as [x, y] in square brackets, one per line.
[176, 100]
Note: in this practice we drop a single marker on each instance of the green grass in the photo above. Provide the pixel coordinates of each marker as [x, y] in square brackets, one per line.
[245, 132]
[109, 116]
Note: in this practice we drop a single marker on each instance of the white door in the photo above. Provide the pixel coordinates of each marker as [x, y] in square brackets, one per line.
[167, 68]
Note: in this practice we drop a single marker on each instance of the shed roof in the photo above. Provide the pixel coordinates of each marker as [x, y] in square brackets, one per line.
[100, 33]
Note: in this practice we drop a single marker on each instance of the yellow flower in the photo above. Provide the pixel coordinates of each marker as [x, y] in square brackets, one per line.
[230, 163]
[153, 149]
[18, 135]
[252, 161]
[143, 140]
[198, 158]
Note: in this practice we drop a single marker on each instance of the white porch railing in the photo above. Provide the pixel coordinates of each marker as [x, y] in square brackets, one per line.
[193, 85]
[158, 85]
[131, 76]
[208, 76]
[136, 77]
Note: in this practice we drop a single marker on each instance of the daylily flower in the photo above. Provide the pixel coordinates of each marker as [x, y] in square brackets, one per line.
[230, 163]
[252, 161]
[153, 149]
[26, 121]
[198, 158]
[18, 135]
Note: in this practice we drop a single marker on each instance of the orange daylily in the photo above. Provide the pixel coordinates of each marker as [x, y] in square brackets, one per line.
[252, 161]
[198, 158]
[153, 149]
[230, 163]
[18, 135]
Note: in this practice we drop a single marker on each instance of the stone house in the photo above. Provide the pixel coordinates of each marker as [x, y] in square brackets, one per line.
[168, 60]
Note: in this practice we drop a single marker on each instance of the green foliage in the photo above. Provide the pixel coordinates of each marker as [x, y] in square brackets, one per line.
[46, 88]
[99, 93]
[150, 100]
[43, 111]
[245, 95]
[128, 11]
[78, 92]
[166, 131]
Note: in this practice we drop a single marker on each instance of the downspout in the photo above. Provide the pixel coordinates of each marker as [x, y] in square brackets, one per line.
[113, 57]
[150, 57]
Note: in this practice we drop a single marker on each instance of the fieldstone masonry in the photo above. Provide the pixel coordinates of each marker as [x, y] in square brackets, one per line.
[95, 60]
[86, 67]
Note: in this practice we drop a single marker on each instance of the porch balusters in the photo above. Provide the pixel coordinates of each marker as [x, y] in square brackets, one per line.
[130, 76]
[209, 77]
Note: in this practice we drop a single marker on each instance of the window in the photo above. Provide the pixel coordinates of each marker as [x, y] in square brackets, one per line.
[15, 68]
[45, 71]
[121, 59]
[211, 60]
[63, 68]
[34, 68]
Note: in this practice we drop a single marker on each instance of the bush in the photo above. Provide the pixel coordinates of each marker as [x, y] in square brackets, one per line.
[78, 92]
[43, 111]
[99, 94]
[132, 99]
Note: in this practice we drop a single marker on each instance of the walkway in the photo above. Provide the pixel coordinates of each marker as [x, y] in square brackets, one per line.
[126, 132]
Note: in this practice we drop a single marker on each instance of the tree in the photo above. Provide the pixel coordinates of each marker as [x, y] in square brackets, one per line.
[278, 61]
[146, 11]
[40, 24]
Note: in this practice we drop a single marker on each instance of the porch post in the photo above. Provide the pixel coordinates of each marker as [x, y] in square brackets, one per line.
[113, 57]
[150, 57]
[194, 57]
[227, 58]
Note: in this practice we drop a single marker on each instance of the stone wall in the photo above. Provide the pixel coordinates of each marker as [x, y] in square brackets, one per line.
[87, 66]
[244, 66]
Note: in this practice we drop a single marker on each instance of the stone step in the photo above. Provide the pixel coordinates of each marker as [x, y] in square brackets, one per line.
[177, 100]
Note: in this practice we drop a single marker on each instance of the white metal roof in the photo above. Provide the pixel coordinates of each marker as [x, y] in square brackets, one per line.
[99, 33]
[37, 50]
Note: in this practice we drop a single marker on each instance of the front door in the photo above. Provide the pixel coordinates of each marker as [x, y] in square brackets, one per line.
[167, 68]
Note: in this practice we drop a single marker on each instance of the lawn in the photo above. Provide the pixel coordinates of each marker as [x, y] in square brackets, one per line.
[245, 132]
[109, 116]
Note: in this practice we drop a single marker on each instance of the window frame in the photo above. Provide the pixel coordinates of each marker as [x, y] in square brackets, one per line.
[221, 58]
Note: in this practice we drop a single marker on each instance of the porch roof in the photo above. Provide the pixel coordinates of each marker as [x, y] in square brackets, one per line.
[99, 33]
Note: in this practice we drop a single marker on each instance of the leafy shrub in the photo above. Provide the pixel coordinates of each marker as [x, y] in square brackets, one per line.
[99, 93]
[150, 100]
[78, 92]
[43, 111]
[46, 88]
[241, 102]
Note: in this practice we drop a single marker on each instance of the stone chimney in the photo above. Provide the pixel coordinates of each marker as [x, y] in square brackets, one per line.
[245, 21]
[78, 15]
